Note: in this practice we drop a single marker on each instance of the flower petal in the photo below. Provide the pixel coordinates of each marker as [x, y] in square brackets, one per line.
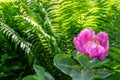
[77, 45]
[102, 37]
[85, 35]
[93, 49]
[103, 55]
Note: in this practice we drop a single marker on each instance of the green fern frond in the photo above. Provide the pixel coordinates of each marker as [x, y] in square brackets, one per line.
[39, 14]
[45, 38]
[14, 36]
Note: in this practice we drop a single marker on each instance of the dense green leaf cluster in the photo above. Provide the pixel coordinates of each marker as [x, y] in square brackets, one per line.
[34, 31]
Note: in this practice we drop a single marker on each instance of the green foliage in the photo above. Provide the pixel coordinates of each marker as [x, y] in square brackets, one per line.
[86, 69]
[86, 76]
[102, 73]
[83, 60]
[34, 31]
[40, 74]
[29, 30]
[65, 64]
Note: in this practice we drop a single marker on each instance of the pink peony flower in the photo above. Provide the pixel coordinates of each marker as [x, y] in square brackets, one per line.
[96, 46]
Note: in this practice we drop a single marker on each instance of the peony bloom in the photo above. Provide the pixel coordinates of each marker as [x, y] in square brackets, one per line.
[96, 46]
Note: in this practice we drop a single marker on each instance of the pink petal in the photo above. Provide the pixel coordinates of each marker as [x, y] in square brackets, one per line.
[83, 37]
[77, 45]
[102, 37]
[93, 49]
[103, 55]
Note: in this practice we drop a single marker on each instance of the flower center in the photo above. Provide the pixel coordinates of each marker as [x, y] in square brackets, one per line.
[96, 41]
